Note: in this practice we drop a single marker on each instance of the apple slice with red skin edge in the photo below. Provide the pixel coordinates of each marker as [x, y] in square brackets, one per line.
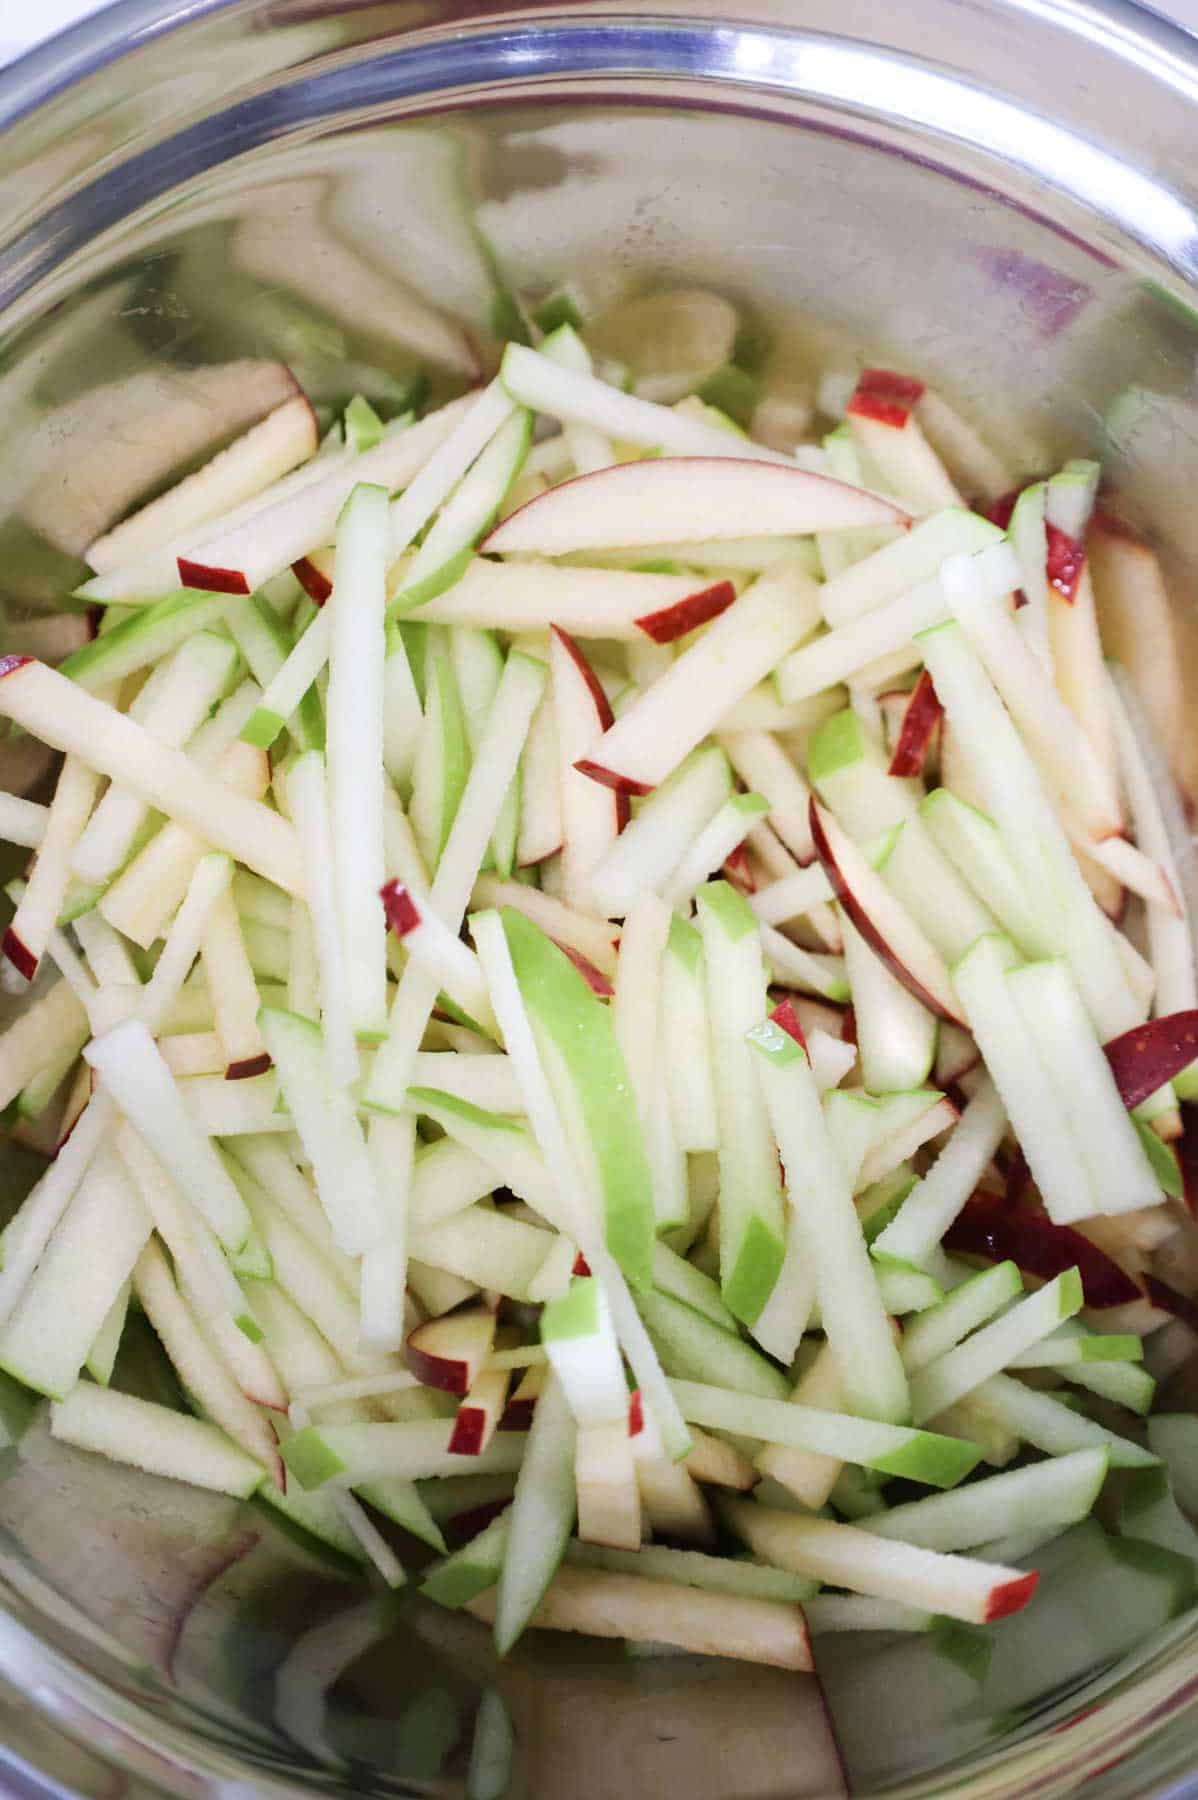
[517, 1414]
[739, 870]
[923, 714]
[1064, 563]
[210, 580]
[1146, 1057]
[582, 711]
[787, 1019]
[312, 579]
[248, 1067]
[697, 609]
[1187, 1161]
[904, 390]
[449, 1352]
[1037, 1246]
[479, 1414]
[675, 499]
[875, 912]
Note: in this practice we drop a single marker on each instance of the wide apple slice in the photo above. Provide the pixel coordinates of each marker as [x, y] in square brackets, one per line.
[687, 702]
[450, 1352]
[680, 497]
[1145, 1058]
[987, 1228]
[882, 922]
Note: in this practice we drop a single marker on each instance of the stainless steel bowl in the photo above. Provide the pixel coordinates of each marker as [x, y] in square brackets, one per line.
[1001, 192]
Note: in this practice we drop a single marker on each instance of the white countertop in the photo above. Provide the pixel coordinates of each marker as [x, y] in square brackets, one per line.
[24, 23]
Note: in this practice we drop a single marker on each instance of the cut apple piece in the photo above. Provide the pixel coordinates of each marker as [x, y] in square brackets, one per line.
[591, 817]
[1045, 1496]
[676, 498]
[450, 1352]
[653, 844]
[920, 719]
[154, 1439]
[605, 1475]
[845, 1556]
[987, 1228]
[931, 1206]
[903, 564]
[959, 1370]
[661, 727]
[1145, 1058]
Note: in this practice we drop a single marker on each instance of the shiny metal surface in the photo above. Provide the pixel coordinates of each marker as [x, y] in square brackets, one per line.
[1004, 195]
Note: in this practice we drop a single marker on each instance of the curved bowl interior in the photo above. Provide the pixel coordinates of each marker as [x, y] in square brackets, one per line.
[998, 196]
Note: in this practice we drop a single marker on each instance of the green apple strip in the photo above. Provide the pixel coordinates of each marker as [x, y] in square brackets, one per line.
[574, 1196]
[690, 1079]
[1084, 1086]
[284, 692]
[580, 1052]
[473, 429]
[845, 1556]
[485, 1247]
[914, 1234]
[694, 1347]
[1068, 917]
[154, 1439]
[1043, 1496]
[897, 567]
[973, 845]
[1061, 1351]
[653, 844]
[942, 1327]
[355, 752]
[45, 893]
[752, 1227]
[146, 636]
[234, 989]
[507, 1147]
[68, 719]
[1024, 1083]
[692, 1569]
[893, 1449]
[541, 1518]
[736, 651]
[130, 1065]
[326, 1119]
[516, 700]
[854, 1319]
[1047, 1424]
[308, 803]
[714, 845]
[896, 1034]
[949, 1377]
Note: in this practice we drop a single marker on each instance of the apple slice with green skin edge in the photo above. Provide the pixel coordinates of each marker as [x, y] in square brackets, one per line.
[465, 516]
[892, 1449]
[959, 1370]
[694, 1348]
[576, 1037]
[684, 1021]
[652, 845]
[896, 1034]
[882, 922]
[542, 1515]
[1056, 1493]
[666, 722]
[483, 1246]
[577, 1333]
[752, 1236]
[506, 1145]
[471, 1570]
[899, 566]
[691, 1568]
[854, 1320]
[442, 761]
[450, 1352]
[69, 719]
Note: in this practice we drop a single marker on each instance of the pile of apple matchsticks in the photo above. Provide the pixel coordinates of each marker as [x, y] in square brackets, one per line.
[658, 1021]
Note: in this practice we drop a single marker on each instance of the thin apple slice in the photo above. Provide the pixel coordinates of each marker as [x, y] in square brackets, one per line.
[901, 565]
[479, 1414]
[934, 1202]
[603, 1604]
[846, 1556]
[661, 728]
[592, 818]
[880, 919]
[155, 1439]
[256, 461]
[680, 497]
[921, 717]
[450, 1352]
[609, 1501]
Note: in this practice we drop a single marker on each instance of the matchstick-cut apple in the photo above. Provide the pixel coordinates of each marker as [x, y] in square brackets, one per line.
[1037, 1246]
[479, 1414]
[449, 1352]
[592, 819]
[677, 499]
[881, 414]
[882, 922]
[922, 716]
